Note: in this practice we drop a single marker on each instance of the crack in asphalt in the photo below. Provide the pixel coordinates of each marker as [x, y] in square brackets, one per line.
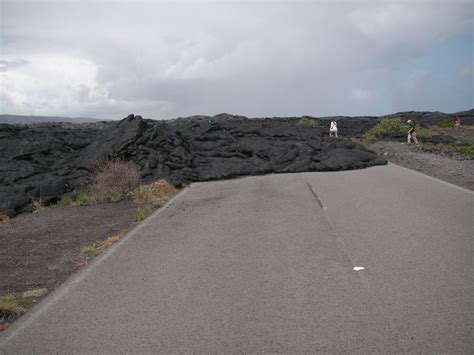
[320, 203]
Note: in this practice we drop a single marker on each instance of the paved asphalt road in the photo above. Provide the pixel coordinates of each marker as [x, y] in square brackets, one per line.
[265, 264]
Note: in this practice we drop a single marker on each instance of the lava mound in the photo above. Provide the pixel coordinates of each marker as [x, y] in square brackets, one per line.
[47, 160]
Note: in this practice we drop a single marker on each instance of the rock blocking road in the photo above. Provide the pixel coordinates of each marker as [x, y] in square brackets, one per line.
[266, 264]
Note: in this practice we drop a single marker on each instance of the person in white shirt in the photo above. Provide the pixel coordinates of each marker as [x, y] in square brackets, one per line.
[333, 128]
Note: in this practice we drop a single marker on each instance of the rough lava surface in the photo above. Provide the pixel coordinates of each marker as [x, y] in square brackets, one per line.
[48, 160]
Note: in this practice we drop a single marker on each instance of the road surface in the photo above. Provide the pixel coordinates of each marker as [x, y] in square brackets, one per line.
[266, 264]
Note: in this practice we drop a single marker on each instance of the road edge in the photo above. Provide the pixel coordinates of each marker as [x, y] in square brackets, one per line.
[434, 178]
[63, 289]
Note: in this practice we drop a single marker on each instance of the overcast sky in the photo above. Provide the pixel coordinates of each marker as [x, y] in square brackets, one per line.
[107, 59]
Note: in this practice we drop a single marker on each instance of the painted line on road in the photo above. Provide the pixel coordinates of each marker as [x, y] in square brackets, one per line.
[320, 203]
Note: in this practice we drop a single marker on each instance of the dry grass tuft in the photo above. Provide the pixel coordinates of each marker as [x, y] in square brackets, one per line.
[4, 218]
[153, 196]
[34, 293]
[113, 180]
[9, 306]
[156, 193]
[38, 206]
[99, 247]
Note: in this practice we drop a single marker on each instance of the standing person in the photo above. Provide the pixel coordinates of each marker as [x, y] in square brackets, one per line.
[412, 132]
[457, 121]
[333, 128]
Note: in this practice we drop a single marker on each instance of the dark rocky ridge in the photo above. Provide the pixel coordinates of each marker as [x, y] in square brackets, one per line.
[47, 160]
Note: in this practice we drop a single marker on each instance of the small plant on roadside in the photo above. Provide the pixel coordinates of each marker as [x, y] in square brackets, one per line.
[153, 196]
[82, 198]
[155, 193]
[66, 201]
[11, 305]
[117, 197]
[309, 122]
[467, 150]
[144, 213]
[4, 218]
[34, 293]
[114, 179]
[463, 149]
[99, 247]
[89, 250]
[53, 267]
[38, 206]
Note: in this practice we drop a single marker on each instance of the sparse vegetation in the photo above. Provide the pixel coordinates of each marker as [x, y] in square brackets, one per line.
[117, 197]
[392, 125]
[97, 248]
[156, 192]
[4, 218]
[66, 201]
[82, 198]
[114, 180]
[35, 293]
[38, 206]
[423, 133]
[9, 305]
[309, 122]
[153, 196]
[13, 305]
[467, 150]
[446, 124]
[144, 213]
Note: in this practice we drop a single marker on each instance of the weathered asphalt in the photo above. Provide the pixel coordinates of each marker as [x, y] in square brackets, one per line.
[265, 264]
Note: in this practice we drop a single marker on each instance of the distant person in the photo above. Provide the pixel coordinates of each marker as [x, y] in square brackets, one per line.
[457, 121]
[412, 132]
[333, 128]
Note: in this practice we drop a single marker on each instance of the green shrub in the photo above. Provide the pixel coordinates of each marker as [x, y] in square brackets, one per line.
[423, 133]
[446, 124]
[462, 149]
[66, 201]
[390, 125]
[309, 122]
[117, 197]
[369, 138]
[82, 198]
[144, 213]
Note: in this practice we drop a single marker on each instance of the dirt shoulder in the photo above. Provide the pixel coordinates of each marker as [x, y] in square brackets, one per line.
[454, 168]
[39, 251]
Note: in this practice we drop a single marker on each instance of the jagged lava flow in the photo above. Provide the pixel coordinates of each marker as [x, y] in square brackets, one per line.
[48, 160]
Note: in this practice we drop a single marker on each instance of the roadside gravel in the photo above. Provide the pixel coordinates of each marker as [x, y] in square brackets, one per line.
[456, 169]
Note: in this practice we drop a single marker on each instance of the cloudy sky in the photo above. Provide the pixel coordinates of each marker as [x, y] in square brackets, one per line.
[107, 59]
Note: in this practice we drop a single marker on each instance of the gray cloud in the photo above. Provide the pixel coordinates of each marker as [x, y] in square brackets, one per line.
[164, 59]
[10, 64]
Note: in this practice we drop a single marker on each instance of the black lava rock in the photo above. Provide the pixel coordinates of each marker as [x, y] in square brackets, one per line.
[47, 160]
